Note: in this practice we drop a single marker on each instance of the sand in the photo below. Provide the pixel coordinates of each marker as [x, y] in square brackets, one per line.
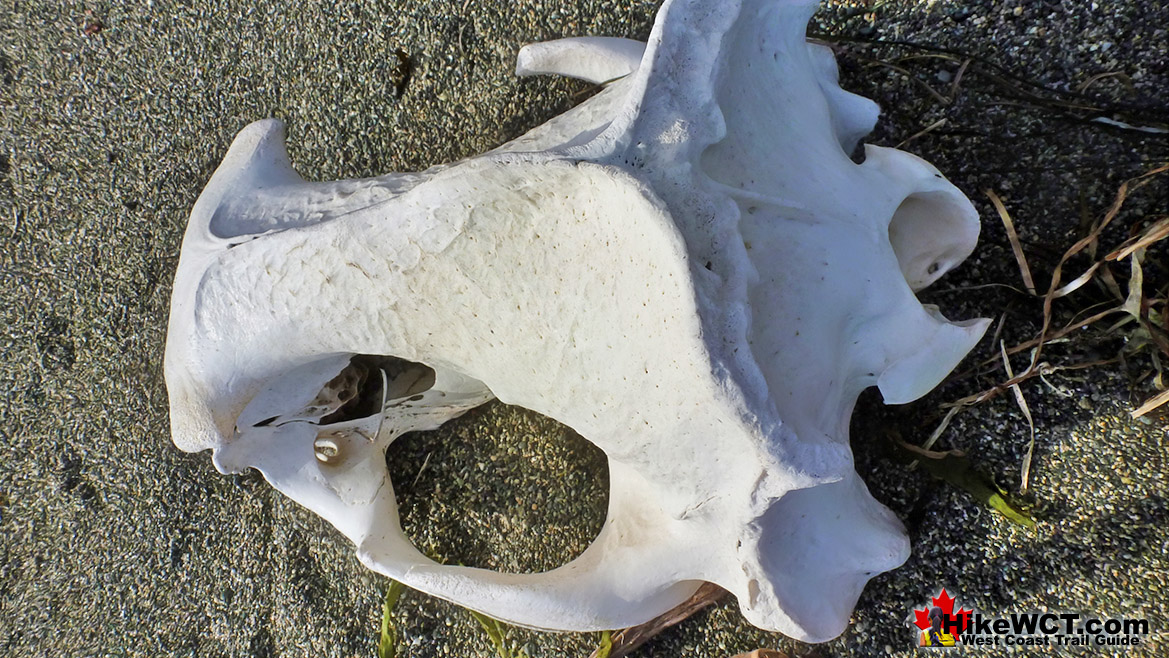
[114, 543]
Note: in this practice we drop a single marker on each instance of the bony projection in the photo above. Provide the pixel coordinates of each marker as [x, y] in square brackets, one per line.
[687, 269]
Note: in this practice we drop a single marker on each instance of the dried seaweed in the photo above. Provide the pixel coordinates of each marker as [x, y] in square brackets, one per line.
[1076, 106]
[955, 468]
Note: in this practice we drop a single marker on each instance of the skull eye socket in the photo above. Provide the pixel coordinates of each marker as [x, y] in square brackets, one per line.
[501, 488]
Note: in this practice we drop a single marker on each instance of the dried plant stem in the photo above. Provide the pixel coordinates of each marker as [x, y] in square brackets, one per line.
[624, 642]
[1025, 475]
[1136, 308]
[1013, 236]
[1151, 404]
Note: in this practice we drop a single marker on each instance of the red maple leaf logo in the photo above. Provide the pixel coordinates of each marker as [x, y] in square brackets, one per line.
[946, 603]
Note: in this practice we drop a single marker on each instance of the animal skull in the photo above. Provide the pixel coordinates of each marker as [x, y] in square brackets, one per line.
[687, 269]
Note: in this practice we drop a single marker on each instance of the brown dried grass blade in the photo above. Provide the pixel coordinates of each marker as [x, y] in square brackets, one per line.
[1083, 86]
[937, 433]
[1013, 236]
[998, 327]
[1022, 402]
[1021, 347]
[1078, 282]
[958, 78]
[1086, 222]
[1159, 230]
[1158, 336]
[1110, 282]
[1136, 285]
[943, 56]
[1046, 336]
[1156, 232]
[626, 641]
[1151, 404]
[909, 74]
[1127, 319]
[924, 131]
[1121, 196]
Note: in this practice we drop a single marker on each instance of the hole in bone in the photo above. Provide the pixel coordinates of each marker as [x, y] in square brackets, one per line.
[266, 421]
[928, 233]
[353, 393]
[858, 153]
[358, 388]
[502, 488]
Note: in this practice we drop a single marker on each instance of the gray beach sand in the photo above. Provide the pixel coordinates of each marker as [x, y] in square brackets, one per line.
[114, 543]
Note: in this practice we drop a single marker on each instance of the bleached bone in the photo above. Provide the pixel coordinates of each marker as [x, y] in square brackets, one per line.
[687, 269]
[595, 59]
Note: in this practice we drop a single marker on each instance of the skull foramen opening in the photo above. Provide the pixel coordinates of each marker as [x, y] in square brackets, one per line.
[687, 269]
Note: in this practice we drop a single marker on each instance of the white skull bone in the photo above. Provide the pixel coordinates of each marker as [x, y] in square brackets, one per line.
[687, 269]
